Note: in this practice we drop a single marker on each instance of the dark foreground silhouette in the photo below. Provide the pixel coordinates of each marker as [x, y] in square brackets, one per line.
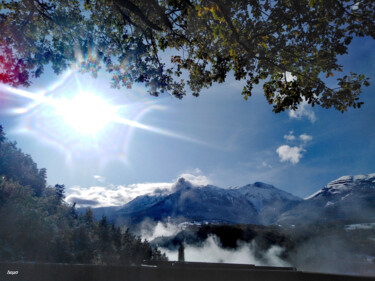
[162, 271]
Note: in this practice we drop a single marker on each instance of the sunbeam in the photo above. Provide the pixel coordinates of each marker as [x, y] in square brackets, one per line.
[86, 113]
[78, 118]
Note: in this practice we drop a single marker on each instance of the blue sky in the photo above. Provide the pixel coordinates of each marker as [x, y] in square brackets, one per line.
[217, 138]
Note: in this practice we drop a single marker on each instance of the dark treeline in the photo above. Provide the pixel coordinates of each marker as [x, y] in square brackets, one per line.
[37, 225]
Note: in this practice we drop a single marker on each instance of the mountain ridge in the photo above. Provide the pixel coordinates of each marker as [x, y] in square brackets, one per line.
[253, 203]
[348, 197]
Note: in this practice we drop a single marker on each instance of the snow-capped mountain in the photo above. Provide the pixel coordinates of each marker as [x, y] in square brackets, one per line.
[349, 198]
[257, 203]
[345, 185]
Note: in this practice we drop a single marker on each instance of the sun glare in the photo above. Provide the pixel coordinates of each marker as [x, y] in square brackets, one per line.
[77, 119]
[86, 113]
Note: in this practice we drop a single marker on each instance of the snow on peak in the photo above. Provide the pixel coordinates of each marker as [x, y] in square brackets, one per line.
[258, 193]
[351, 179]
[344, 184]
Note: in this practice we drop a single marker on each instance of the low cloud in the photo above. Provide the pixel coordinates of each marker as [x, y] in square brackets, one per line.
[211, 251]
[111, 195]
[85, 202]
[104, 196]
[150, 231]
[304, 110]
[196, 177]
[290, 154]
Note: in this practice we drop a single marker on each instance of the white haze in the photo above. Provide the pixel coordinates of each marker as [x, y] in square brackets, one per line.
[211, 251]
[328, 253]
[150, 232]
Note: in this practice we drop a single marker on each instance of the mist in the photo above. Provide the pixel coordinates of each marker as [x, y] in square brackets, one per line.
[330, 250]
[150, 231]
[332, 254]
[211, 251]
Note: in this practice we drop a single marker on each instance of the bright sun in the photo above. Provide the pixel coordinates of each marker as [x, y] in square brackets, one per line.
[86, 113]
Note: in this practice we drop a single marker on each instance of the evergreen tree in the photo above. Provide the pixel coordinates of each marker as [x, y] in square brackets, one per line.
[2, 135]
[43, 228]
[18, 166]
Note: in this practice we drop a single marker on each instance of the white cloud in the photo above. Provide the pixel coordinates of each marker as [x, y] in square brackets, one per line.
[290, 136]
[304, 110]
[103, 196]
[293, 154]
[290, 154]
[305, 138]
[289, 77]
[111, 195]
[99, 178]
[210, 251]
[196, 177]
[159, 230]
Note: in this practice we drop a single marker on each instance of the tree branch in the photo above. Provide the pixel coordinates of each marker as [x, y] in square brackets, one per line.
[137, 11]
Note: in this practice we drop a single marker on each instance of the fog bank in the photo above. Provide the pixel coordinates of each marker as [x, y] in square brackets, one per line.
[211, 251]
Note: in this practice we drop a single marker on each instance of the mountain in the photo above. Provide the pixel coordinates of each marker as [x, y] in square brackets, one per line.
[349, 198]
[257, 203]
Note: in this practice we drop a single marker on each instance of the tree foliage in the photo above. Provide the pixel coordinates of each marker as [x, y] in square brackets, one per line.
[258, 41]
[20, 167]
[37, 225]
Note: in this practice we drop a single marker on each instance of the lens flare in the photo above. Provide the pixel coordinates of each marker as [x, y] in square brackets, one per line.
[86, 113]
[80, 121]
